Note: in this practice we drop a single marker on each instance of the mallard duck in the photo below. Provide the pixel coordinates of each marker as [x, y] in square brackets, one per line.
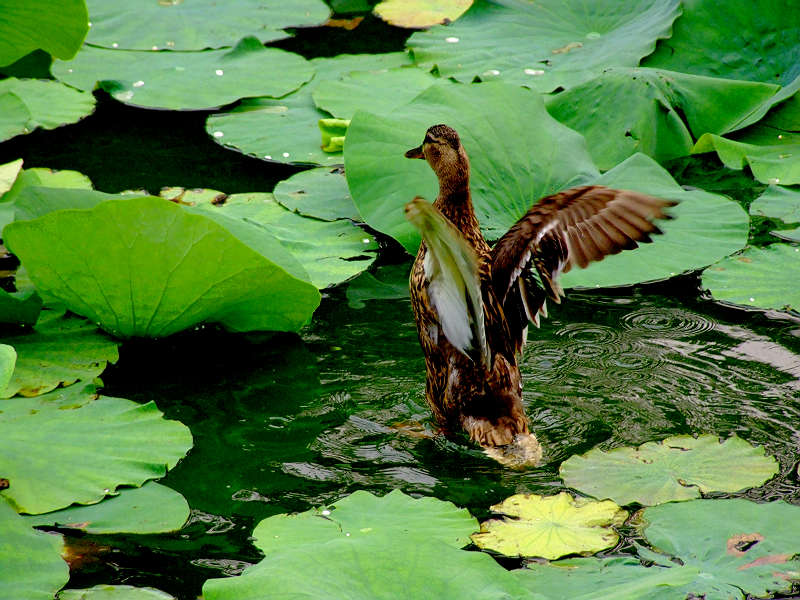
[472, 302]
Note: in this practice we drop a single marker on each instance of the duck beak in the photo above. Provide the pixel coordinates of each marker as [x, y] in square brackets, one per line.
[415, 152]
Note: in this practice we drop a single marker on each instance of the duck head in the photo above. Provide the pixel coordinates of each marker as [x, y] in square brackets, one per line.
[446, 156]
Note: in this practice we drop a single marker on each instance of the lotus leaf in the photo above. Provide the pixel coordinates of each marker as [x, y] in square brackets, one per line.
[21, 307]
[196, 25]
[8, 358]
[147, 267]
[152, 508]
[550, 526]
[783, 109]
[624, 111]
[677, 468]
[8, 175]
[56, 26]
[187, 80]
[760, 277]
[34, 201]
[68, 446]
[286, 130]
[333, 134]
[387, 283]
[319, 193]
[706, 228]
[737, 547]
[331, 252]
[31, 103]
[776, 162]
[379, 92]
[59, 350]
[514, 161]
[420, 13]
[31, 567]
[545, 45]
[114, 592]
[782, 204]
[756, 41]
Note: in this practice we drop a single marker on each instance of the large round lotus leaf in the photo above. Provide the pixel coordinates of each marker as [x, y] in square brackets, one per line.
[59, 350]
[736, 546]
[550, 526]
[8, 358]
[114, 592]
[330, 252]
[370, 568]
[56, 26]
[761, 277]
[31, 567]
[319, 193]
[361, 514]
[544, 45]
[706, 228]
[287, 130]
[624, 111]
[756, 41]
[187, 80]
[195, 25]
[775, 162]
[678, 468]
[21, 307]
[420, 13]
[28, 104]
[379, 92]
[517, 151]
[152, 508]
[67, 446]
[146, 267]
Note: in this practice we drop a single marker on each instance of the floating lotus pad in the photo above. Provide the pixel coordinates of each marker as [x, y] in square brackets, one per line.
[187, 80]
[776, 162]
[58, 351]
[545, 45]
[757, 41]
[624, 111]
[28, 104]
[56, 26]
[550, 526]
[286, 130]
[515, 161]
[188, 269]
[114, 592]
[72, 446]
[31, 567]
[420, 13]
[677, 468]
[761, 277]
[706, 228]
[782, 204]
[196, 25]
[389, 282]
[152, 508]
[319, 193]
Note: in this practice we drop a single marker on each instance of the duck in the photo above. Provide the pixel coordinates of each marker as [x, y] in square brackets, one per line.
[473, 302]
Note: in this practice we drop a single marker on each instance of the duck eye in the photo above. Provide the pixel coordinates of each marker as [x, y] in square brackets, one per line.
[429, 140]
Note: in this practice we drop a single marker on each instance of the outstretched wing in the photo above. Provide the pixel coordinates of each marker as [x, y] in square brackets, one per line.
[451, 269]
[573, 227]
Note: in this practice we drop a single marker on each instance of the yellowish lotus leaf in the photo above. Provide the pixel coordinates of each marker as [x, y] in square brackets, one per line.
[421, 13]
[550, 526]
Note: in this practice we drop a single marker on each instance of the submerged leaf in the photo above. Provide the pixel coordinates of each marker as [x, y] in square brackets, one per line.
[677, 468]
[550, 526]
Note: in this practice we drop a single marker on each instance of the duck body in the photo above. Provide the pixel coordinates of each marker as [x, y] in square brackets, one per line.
[472, 302]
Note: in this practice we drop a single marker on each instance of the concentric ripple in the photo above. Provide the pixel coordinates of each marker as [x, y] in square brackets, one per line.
[670, 322]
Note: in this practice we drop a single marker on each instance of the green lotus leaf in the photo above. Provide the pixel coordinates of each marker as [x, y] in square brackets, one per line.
[196, 25]
[624, 111]
[70, 446]
[56, 26]
[780, 203]
[8, 359]
[783, 109]
[677, 468]
[36, 201]
[333, 133]
[330, 252]
[756, 41]
[550, 526]
[59, 350]
[31, 567]
[777, 161]
[706, 227]
[760, 277]
[737, 547]
[114, 592]
[387, 283]
[187, 80]
[515, 161]
[8, 175]
[20, 307]
[379, 92]
[320, 193]
[152, 508]
[28, 104]
[147, 267]
[418, 14]
[286, 130]
[545, 45]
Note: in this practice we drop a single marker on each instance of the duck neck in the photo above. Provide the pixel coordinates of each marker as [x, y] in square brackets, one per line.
[454, 199]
